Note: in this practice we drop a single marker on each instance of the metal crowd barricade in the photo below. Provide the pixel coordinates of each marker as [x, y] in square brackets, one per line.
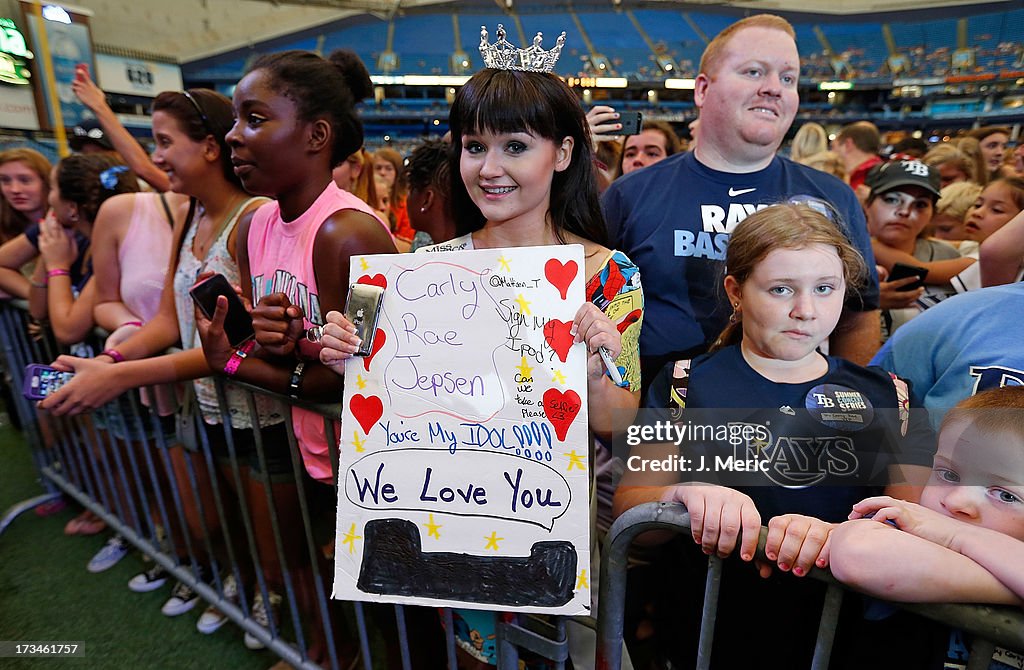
[117, 463]
[989, 626]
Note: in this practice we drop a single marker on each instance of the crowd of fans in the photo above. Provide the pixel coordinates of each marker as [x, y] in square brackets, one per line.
[814, 250]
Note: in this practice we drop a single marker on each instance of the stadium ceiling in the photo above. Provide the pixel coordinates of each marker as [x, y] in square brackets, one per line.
[186, 30]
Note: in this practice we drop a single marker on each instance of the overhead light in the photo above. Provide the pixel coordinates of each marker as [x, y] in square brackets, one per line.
[681, 84]
[57, 14]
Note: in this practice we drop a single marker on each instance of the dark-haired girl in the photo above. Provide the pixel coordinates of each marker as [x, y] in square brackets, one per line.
[295, 122]
[189, 130]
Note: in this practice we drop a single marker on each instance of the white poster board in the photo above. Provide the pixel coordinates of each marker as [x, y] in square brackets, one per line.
[464, 474]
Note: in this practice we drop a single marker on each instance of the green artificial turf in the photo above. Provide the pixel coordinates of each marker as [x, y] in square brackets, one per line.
[47, 595]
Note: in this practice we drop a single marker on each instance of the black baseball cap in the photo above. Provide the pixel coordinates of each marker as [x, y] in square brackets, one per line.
[889, 176]
[89, 131]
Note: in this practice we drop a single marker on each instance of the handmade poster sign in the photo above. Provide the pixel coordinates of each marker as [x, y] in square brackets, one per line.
[464, 477]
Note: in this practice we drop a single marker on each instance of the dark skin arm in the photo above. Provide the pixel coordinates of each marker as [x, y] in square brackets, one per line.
[278, 323]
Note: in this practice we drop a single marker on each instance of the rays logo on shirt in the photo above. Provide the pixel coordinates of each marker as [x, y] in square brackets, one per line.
[717, 224]
[798, 462]
[993, 377]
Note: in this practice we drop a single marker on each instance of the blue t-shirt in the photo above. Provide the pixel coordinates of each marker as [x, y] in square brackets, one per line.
[966, 344]
[831, 439]
[674, 219]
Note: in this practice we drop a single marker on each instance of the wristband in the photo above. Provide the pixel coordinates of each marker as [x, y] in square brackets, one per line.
[239, 355]
[115, 354]
[137, 324]
[296, 380]
[58, 272]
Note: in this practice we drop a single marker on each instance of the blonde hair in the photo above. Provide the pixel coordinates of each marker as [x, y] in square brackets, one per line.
[713, 52]
[947, 153]
[957, 198]
[971, 148]
[784, 226]
[809, 140]
[826, 161]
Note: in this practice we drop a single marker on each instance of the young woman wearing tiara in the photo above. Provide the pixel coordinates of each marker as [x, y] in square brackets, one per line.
[523, 175]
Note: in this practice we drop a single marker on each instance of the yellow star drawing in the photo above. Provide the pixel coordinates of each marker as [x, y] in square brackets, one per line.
[504, 264]
[492, 540]
[558, 377]
[581, 580]
[759, 445]
[524, 304]
[360, 382]
[575, 460]
[364, 264]
[357, 442]
[350, 539]
[525, 371]
[432, 528]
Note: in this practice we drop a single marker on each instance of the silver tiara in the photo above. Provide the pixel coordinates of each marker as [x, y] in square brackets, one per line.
[503, 56]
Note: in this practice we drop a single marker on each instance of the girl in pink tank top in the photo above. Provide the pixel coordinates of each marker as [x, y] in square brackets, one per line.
[295, 122]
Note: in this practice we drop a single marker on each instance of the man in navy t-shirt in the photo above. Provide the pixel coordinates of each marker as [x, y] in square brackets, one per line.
[674, 218]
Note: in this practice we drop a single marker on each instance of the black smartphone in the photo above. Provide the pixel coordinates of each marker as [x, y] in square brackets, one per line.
[362, 308]
[902, 271]
[42, 380]
[632, 124]
[238, 323]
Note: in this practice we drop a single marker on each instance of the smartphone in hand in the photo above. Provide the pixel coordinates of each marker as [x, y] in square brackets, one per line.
[238, 323]
[42, 380]
[902, 271]
[632, 124]
[362, 308]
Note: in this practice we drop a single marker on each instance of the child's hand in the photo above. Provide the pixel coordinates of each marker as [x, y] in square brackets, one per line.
[911, 518]
[797, 542]
[717, 515]
[56, 244]
[891, 296]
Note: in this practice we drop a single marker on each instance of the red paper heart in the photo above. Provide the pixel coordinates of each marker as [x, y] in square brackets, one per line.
[376, 280]
[558, 336]
[379, 338]
[366, 410]
[561, 410]
[560, 275]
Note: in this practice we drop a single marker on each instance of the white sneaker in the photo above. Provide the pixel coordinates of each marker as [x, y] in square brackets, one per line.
[182, 599]
[262, 617]
[150, 580]
[113, 551]
[212, 618]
